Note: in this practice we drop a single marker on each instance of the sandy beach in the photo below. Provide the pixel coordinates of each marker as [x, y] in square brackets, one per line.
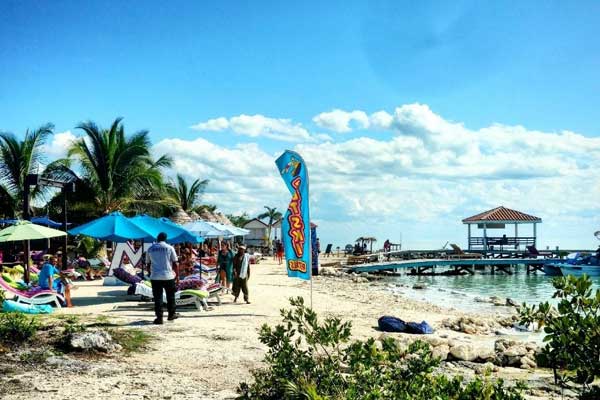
[206, 354]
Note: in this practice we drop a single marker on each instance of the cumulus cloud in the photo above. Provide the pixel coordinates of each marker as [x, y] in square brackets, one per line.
[258, 125]
[242, 177]
[216, 124]
[58, 145]
[342, 121]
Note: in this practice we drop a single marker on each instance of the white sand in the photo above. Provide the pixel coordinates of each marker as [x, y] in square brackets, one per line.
[207, 354]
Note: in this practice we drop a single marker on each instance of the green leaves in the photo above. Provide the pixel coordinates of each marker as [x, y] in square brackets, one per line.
[17, 159]
[184, 196]
[119, 169]
[572, 331]
[309, 358]
[16, 327]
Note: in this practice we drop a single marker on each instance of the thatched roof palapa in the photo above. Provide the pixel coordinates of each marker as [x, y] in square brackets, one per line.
[366, 239]
[208, 216]
[181, 217]
[222, 219]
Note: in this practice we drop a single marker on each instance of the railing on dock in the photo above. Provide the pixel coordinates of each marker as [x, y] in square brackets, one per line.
[502, 241]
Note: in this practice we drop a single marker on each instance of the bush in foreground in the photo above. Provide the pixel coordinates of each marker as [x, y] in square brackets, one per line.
[313, 360]
[17, 327]
[572, 333]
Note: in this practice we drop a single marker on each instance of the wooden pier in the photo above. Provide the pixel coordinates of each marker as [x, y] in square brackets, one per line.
[420, 266]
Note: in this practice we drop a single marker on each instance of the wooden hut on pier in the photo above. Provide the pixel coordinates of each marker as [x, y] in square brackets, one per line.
[499, 218]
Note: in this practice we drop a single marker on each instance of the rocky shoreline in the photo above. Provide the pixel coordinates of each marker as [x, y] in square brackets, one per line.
[468, 343]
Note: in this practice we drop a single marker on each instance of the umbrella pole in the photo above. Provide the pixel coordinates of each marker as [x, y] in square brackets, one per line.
[26, 260]
[143, 259]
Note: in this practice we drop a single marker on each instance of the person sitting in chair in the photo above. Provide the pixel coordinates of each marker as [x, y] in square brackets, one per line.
[47, 281]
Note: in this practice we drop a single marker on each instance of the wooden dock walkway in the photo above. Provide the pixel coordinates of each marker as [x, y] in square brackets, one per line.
[469, 265]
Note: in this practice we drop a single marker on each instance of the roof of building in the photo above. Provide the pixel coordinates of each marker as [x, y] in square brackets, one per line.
[501, 214]
[254, 221]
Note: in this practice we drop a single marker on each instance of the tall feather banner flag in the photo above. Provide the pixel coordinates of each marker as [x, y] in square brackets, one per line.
[295, 227]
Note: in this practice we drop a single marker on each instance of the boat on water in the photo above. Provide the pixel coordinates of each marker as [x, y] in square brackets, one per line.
[575, 264]
[552, 270]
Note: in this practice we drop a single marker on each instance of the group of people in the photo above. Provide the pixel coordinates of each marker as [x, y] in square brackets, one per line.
[233, 272]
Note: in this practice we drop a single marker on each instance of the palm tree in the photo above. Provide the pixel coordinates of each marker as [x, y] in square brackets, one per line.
[119, 168]
[183, 196]
[18, 158]
[239, 220]
[273, 215]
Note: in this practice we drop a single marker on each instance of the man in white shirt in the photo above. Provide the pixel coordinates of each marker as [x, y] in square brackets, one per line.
[163, 264]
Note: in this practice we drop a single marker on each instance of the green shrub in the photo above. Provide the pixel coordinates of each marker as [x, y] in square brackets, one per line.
[131, 339]
[17, 327]
[307, 359]
[572, 332]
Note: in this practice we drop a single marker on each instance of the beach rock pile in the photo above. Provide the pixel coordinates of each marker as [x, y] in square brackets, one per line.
[504, 353]
[359, 279]
[330, 271]
[511, 353]
[498, 301]
[94, 340]
[479, 326]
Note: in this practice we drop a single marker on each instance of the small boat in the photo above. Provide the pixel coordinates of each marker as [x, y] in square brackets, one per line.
[552, 270]
[575, 264]
[578, 270]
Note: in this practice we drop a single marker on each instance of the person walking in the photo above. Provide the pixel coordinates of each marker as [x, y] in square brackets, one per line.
[241, 274]
[225, 263]
[163, 264]
[279, 251]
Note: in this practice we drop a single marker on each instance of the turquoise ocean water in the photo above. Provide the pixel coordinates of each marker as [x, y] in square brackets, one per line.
[462, 292]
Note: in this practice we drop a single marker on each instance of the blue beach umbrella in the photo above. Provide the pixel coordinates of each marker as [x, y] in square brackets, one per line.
[232, 230]
[175, 233]
[45, 220]
[204, 229]
[114, 227]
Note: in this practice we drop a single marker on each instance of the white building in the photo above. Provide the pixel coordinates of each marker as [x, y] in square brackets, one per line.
[259, 231]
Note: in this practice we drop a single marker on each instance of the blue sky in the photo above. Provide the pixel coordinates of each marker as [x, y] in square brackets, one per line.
[454, 70]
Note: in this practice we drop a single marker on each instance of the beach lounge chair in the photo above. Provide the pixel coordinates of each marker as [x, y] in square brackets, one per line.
[32, 296]
[213, 289]
[533, 252]
[127, 278]
[328, 250]
[460, 254]
[185, 297]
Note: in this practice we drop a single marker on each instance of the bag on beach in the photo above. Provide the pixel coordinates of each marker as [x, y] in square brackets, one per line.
[416, 328]
[391, 324]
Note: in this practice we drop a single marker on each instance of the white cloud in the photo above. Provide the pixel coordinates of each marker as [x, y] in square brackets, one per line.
[381, 120]
[259, 126]
[59, 145]
[216, 124]
[342, 121]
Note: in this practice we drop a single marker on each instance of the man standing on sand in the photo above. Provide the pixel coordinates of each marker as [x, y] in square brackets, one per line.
[241, 273]
[163, 264]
